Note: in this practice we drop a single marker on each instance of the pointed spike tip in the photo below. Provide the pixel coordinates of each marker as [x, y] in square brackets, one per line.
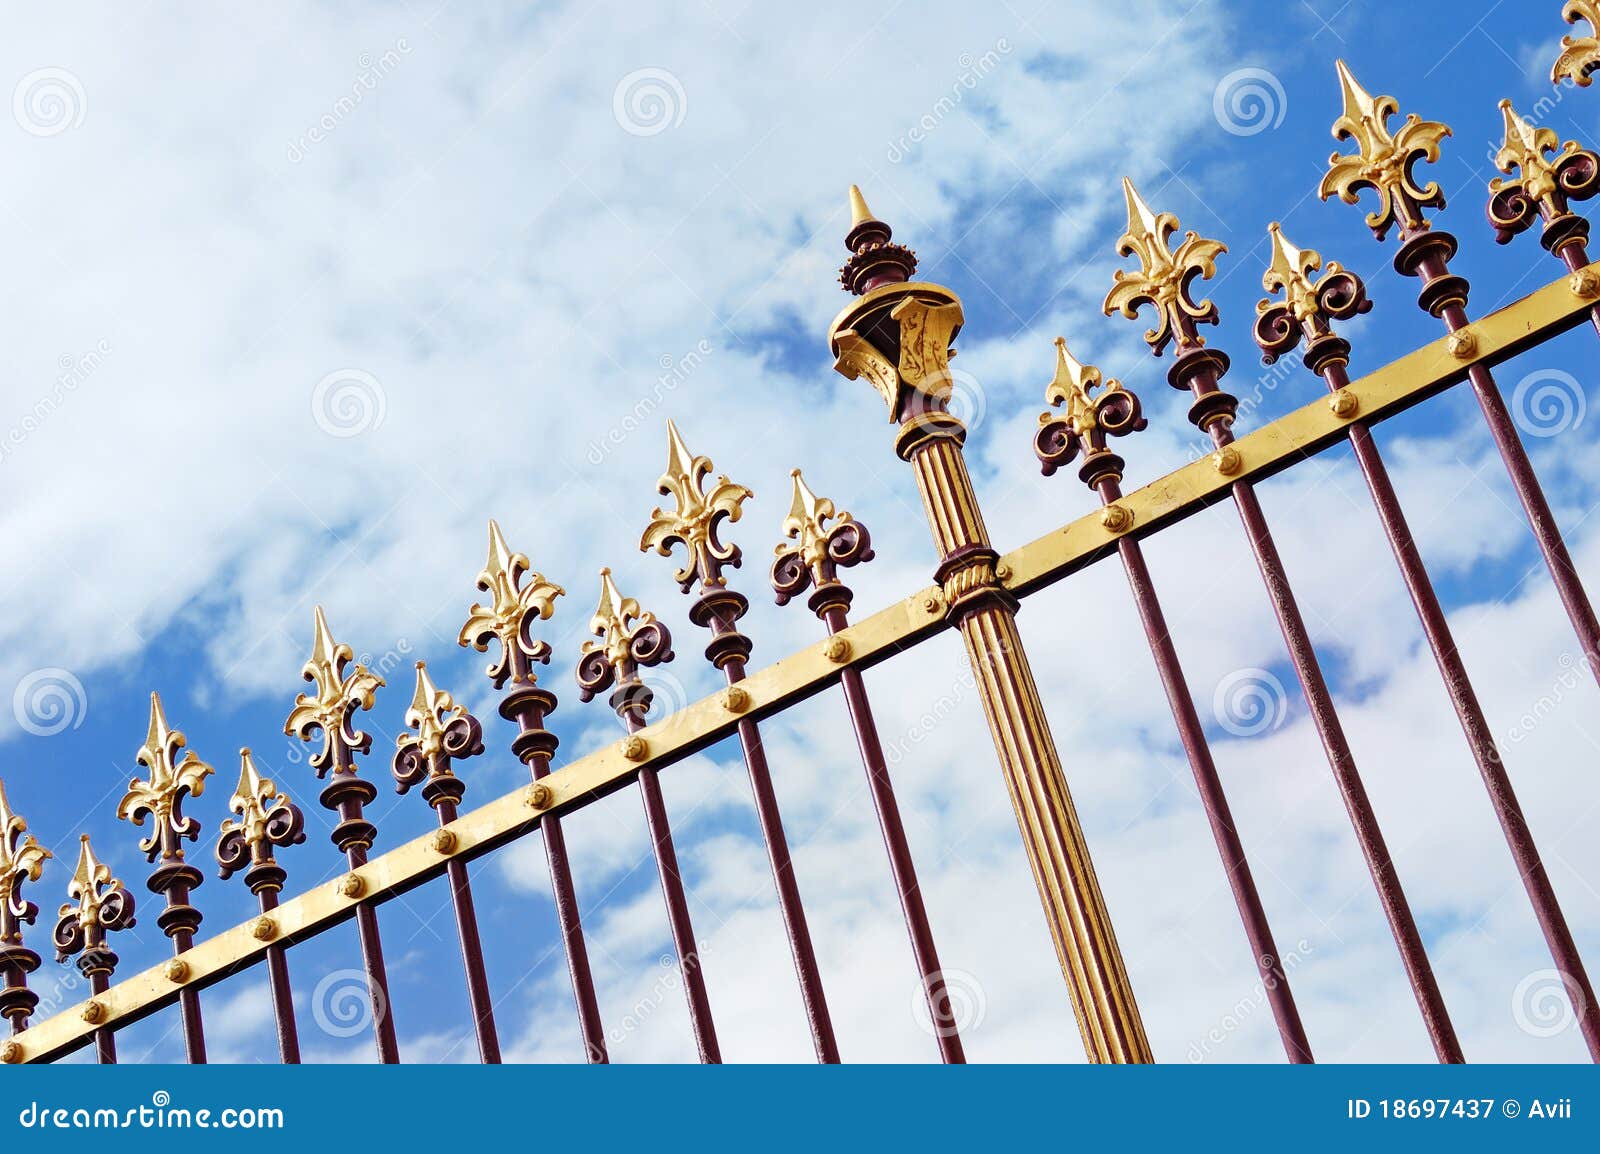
[859, 211]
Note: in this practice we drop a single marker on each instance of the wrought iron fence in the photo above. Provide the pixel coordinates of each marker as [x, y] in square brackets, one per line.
[897, 336]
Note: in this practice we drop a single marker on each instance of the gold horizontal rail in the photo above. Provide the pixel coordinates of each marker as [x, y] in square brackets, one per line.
[1391, 389]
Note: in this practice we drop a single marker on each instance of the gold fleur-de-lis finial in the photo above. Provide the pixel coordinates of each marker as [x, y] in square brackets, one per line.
[1382, 161]
[329, 710]
[807, 524]
[695, 521]
[22, 859]
[615, 622]
[1309, 301]
[1093, 408]
[160, 796]
[430, 714]
[1580, 55]
[1548, 176]
[1291, 273]
[98, 902]
[819, 538]
[519, 597]
[261, 808]
[1166, 275]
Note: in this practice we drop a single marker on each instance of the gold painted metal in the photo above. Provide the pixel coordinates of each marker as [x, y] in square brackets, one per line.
[694, 522]
[1463, 344]
[263, 929]
[1524, 153]
[1585, 284]
[1293, 273]
[171, 780]
[615, 622]
[929, 316]
[1391, 389]
[431, 712]
[443, 841]
[89, 889]
[809, 522]
[254, 800]
[22, 859]
[634, 747]
[11, 1052]
[736, 698]
[1382, 161]
[93, 1013]
[1074, 388]
[1227, 460]
[1580, 55]
[1166, 275]
[1116, 518]
[837, 649]
[176, 971]
[338, 695]
[1343, 403]
[352, 885]
[520, 596]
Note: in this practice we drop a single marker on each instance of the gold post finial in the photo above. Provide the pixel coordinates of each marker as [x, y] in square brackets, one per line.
[695, 522]
[1580, 55]
[1382, 161]
[1309, 302]
[1165, 275]
[823, 538]
[1094, 408]
[266, 817]
[99, 902]
[616, 622]
[161, 797]
[859, 211]
[22, 859]
[1542, 176]
[327, 712]
[628, 637]
[519, 596]
[440, 730]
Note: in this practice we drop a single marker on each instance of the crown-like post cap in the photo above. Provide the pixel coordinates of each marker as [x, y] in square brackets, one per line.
[874, 259]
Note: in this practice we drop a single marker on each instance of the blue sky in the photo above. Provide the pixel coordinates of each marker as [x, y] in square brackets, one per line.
[461, 221]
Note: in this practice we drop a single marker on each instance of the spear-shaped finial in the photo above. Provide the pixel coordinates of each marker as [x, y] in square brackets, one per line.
[819, 540]
[1382, 161]
[266, 818]
[329, 711]
[1547, 175]
[1309, 303]
[1165, 275]
[99, 903]
[875, 260]
[161, 797]
[1093, 408]
[1580, 55]
[629, 638]
[441, 731]
[519, 597]
[22, 860]
[696, 519]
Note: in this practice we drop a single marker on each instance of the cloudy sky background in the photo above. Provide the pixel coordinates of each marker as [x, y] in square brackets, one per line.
[330, 287]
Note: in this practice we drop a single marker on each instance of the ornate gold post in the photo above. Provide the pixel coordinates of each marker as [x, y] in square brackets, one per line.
[898, 337]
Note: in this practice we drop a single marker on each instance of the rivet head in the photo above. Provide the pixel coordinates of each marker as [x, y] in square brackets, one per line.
[634, 748]
[1116, 518]
[837, 650]
[1002, 572]
[1463, 344]
[177, 970]
[1227, 460]
[10, 1052]
[931, 603]
[1343, 403]
[443, 841]
[263, 929]
[351, 886]
[1584, 283]
[539, 795]
[94, 1013]
[736, 698]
